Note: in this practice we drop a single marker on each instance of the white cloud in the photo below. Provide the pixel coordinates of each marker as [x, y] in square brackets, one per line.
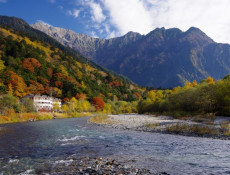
[3, 1]
[94, 35]
[211, 16]
[129, 15]
[111, 34]
[96, 10]
[75, 13]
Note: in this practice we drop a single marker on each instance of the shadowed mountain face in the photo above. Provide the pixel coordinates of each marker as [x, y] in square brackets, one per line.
[163, 58]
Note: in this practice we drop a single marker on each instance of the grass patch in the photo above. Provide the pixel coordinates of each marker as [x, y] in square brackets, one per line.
[152, 125]
[23, 117]
[80, 114]
[193, 129]
[100, 119]
[44, 116]
[225, 125]
[197, 117]
[19, 117]
[71, 115]
[226, 128]
[227, 132]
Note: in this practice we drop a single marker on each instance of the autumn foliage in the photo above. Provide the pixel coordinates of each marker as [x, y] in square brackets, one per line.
[98, 103]
[36, 88]
[50, 72]
[81, 96]
[30, 64]
[58, 84]
[114, 84]
[138, 95]
[16, 84]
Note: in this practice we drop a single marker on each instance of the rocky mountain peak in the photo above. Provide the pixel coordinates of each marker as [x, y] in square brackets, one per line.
[162, 58]
[197, 37]
[132, 34]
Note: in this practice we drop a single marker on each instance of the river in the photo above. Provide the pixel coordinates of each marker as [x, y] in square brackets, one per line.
[27, 147]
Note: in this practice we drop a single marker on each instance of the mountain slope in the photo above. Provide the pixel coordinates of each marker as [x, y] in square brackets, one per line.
[33, 62]
[162, 58]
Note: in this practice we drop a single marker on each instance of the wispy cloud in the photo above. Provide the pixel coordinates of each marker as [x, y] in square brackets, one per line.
[75, 12]
[60, 7]
[52, 1]
[93, 34]
[3, 1]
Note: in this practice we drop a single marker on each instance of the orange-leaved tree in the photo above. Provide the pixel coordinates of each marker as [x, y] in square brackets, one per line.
[81, 96]
[98, 103]
[36, 88]
[16, 84]
[30, 64]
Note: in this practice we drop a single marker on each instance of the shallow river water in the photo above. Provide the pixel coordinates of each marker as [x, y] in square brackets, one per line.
[26, 147]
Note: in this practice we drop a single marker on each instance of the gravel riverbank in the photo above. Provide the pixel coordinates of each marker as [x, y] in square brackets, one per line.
[98, 166]
[166, 124]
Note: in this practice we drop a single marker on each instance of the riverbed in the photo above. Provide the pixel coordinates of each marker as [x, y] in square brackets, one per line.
[28, 148]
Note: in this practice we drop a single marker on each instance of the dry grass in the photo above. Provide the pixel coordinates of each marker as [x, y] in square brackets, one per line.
[80, 114]
[152, 125]
[193, 129]
[227, 132]
[226, 128]
[225, 125]
[23, 117]
[100, 119]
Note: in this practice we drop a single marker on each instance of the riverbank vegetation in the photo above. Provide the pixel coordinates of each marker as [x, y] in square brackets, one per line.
[81, 104]
[100, 119]
[208, 98]
[14, 109]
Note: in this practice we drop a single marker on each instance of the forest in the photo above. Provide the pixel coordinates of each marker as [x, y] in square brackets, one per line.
[208, 97]
[35, 67]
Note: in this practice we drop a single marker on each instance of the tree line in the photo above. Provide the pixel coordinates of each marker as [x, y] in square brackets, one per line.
[208, 96]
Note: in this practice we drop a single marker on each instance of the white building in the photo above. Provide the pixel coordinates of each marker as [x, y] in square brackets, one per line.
[45, 103]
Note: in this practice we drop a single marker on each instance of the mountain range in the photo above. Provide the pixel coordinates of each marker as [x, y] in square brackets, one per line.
[163, 58]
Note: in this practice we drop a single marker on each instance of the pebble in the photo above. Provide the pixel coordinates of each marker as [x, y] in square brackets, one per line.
[99, 166]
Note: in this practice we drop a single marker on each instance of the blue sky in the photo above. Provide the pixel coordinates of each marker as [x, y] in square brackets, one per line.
[112, 18]
[68, 14]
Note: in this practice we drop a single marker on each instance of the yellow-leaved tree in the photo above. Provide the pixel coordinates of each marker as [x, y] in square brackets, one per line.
[65, 108]
[2, 66]
[64, 71]
[155, 95]
[73, 104]
[210, 80]
[85, 105]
